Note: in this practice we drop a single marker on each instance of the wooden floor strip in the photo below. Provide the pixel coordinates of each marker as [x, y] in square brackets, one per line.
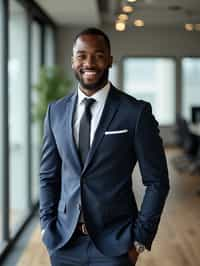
[178, 240]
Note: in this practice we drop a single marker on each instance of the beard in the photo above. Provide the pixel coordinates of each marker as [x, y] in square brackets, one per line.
[100, 83]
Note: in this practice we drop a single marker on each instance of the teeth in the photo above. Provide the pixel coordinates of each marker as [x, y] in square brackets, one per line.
[89, 73]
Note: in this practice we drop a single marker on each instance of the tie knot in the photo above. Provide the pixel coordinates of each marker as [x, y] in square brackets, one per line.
[89, 102]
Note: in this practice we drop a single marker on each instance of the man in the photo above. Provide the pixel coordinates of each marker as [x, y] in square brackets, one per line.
[92, 141]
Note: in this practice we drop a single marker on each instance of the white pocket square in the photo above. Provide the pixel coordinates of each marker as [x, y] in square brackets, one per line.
[116, 132]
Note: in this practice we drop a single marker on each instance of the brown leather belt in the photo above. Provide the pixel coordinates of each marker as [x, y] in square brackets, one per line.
[82, 228]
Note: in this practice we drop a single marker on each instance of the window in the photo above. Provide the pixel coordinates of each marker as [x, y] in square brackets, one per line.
[152, 80]
[35, 126]
[18, 183]
[17, 114]
[49, 47]
[190, 85]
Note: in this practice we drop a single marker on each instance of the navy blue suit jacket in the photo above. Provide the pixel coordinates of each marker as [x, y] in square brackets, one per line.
[127, 133]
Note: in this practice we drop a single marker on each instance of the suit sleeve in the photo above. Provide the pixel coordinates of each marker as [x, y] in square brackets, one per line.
[50, 168]
[153, 168]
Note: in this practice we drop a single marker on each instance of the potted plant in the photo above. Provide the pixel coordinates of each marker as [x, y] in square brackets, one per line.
[53, 84]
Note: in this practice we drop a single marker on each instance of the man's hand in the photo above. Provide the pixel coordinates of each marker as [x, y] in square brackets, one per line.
[133, 255]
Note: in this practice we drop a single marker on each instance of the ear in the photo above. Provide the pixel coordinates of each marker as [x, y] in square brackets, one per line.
[110, 61]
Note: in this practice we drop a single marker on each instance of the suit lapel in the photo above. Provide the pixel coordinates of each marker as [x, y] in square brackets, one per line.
[110, 108]
[70, 109]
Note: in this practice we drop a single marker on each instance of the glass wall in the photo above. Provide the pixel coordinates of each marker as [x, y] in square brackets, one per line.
[113, 75]
[190, 85]
[18, 37]
[36, 55]
[152, 80]
[1, 119]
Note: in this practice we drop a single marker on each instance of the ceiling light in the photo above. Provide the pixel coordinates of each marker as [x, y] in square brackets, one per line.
[131, 1]
[189, 27]
[120, 26]
[139, 23]
[197, 27]
[127, 9]
[123, 17]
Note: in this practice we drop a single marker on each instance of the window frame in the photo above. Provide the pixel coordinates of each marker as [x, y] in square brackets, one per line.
[176, 83]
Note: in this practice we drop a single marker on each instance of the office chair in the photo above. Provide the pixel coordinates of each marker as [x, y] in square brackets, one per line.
[189, 144]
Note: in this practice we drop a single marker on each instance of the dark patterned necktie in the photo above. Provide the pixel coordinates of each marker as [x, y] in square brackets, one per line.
[84, 130]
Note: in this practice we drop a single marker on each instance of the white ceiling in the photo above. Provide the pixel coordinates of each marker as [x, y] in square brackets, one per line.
[72, 12]
[154, 12]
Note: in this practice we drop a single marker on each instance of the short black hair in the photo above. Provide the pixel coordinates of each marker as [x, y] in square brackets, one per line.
[94, 31]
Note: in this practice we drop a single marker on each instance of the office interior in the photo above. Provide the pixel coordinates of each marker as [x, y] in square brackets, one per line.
[156, 50]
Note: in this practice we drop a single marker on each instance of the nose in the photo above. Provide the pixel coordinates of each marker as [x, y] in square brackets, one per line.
[90, 61]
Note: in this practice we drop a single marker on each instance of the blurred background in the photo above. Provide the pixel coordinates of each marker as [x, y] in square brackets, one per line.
[156, 49]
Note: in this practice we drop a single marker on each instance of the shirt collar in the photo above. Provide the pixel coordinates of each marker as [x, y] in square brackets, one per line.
[100, 96]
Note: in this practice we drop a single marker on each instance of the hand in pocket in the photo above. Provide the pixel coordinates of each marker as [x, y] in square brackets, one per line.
[133, 255]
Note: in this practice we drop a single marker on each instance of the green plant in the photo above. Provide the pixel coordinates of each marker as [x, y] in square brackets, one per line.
[53, 84]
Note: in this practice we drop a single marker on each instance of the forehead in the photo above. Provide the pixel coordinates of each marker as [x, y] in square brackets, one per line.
[90, 42]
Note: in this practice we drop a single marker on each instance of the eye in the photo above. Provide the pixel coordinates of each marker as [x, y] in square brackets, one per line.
[80, 56]
[100, 56]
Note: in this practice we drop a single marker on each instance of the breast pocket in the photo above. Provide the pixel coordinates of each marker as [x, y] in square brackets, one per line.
[117, 140]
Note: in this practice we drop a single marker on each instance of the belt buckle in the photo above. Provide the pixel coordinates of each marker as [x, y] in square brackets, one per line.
[84, 229]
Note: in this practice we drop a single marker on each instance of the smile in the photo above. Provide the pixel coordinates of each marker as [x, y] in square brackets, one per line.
[89, 73]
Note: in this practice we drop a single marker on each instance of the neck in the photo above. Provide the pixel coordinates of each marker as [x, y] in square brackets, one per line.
[90, 92]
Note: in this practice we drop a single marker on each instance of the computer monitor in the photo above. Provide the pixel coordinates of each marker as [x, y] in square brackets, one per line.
[195, 114]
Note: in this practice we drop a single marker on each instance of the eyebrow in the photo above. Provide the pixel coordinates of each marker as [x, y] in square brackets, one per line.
[97, 51]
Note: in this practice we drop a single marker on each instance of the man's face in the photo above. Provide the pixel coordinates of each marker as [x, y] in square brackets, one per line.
[91, 61]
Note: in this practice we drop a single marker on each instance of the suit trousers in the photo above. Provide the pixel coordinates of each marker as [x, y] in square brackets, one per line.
[81, 251]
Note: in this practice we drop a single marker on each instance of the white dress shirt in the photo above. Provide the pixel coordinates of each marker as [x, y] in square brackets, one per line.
[96, 110]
